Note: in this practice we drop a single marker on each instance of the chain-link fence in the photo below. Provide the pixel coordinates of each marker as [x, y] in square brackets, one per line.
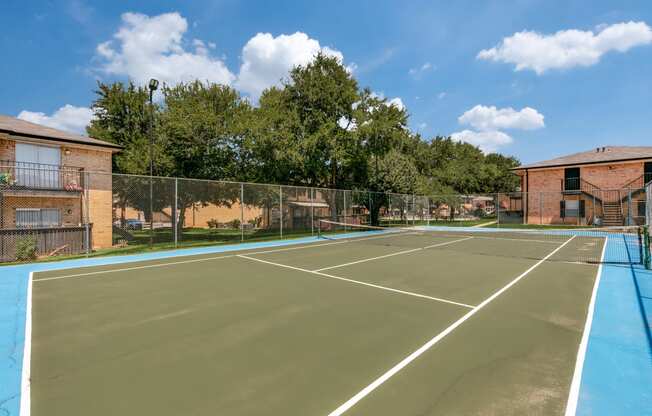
[47, 212]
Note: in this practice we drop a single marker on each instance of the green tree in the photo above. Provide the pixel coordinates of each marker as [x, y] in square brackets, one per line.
[322, 95]
[202, 127]
[121, 115]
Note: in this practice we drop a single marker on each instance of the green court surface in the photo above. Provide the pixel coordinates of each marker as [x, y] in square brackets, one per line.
[369, 326]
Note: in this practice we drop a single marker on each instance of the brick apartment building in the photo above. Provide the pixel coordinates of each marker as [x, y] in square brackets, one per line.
[602, 186]
[44, 188]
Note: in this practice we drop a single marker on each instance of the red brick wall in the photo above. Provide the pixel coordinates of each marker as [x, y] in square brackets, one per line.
[545, 187]
[613, 176]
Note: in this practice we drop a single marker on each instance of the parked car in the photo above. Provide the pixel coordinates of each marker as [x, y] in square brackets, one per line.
[134, 224]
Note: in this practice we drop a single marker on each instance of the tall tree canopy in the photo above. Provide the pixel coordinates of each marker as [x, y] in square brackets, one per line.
[319, 128]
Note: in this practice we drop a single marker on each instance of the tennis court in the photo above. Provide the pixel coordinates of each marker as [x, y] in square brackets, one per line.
[418, 322]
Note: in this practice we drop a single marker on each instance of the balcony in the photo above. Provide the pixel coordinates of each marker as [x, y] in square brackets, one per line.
[39, 176]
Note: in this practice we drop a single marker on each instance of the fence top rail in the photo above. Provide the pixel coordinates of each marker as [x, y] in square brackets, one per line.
[308, 187]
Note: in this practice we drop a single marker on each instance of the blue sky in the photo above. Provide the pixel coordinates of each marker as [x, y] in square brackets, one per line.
[534, 79]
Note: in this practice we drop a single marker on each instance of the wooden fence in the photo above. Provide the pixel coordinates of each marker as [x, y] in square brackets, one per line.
[47, 241]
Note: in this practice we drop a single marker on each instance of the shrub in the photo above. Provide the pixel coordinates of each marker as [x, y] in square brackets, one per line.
[235, 223]
[26, 248]
[5, 179]
[212, 223]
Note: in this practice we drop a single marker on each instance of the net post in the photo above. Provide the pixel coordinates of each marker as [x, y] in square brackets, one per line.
[428, 213]
[175, 216]
[241, 211]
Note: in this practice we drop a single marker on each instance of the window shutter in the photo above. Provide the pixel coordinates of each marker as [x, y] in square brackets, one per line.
[562, 208]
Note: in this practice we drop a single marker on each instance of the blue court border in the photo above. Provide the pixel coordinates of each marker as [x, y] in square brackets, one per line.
[617, 373]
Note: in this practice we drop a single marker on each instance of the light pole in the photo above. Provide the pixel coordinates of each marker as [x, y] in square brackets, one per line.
[153, 86]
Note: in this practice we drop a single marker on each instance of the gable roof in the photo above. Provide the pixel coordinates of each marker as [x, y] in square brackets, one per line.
[15, 126]
[597, 155]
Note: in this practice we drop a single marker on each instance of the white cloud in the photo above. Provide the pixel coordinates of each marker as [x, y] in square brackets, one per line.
[267, 59]
[486, 118]
[396, 101]
[567, 48]
[415, 72]
[153, 47]
[67, 118]
[442, 95]
[158, 47]
[487, 141]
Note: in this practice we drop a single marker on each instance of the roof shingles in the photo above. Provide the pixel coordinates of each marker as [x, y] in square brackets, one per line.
[19, 127]
[597, 155]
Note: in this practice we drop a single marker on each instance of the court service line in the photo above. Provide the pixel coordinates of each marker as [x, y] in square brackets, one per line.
[125, 269]
[343, 241]
[574, 393]
[425, 347]
[358, 282]
[25, 384]
[392, 254]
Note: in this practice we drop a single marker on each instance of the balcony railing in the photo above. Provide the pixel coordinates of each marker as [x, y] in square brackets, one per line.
[27, 175]
[571, 184]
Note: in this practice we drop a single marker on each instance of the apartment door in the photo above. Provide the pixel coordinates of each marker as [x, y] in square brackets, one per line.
[37, 166]
[647, 175]
[571, 179]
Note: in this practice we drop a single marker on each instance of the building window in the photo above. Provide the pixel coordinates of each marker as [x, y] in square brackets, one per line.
[38, 166]
[38, 217]
[572, 208]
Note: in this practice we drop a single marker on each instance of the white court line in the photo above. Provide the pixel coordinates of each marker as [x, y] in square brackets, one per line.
[343, 241]
[392, 254]
[526, 240]
[25, 383]
[574, 393]
[357, 282]
[425, 347]
[132, 268]
[124, 269]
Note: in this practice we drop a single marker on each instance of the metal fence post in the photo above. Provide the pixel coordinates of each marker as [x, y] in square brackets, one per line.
[280, 206]
[497, 210]
[370, 207]
[414, 210]
[175, 215]
[344, 208]
[312, 211]
[629, 206]
[241, 211]
[540, 208]
[87, 230]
